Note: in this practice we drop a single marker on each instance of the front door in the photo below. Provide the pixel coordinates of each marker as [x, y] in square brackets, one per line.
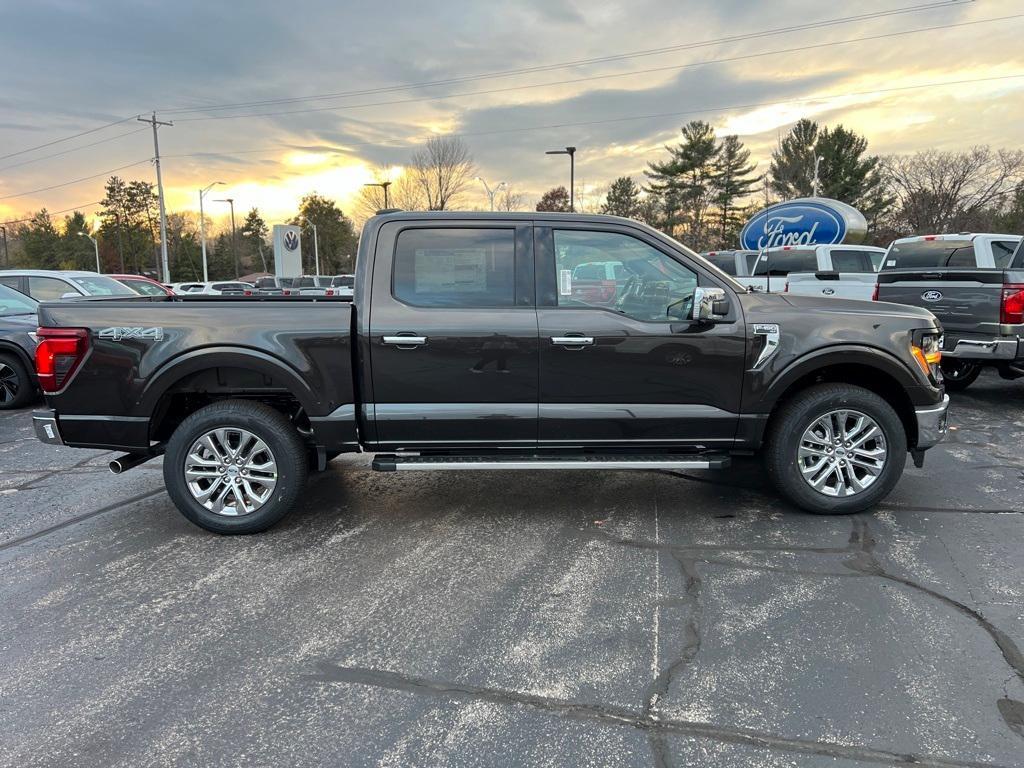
[620, 363]
[453, 335]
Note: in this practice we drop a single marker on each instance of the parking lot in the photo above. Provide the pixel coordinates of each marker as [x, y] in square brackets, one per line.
[558, 618]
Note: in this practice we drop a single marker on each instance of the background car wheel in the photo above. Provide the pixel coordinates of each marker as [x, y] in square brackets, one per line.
[958, 375]
[235, 467]
[835, 449]
[16, 385]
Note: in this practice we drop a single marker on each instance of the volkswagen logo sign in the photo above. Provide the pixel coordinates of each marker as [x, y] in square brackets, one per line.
[291, 240]
[932, 296]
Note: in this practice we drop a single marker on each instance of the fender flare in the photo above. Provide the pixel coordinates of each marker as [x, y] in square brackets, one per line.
[13, 349]
[174, 370]
[841, 354]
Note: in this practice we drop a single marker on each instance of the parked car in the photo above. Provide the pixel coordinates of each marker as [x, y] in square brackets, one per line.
[460, 352]
[144, 286]
[843, 271]
[975, 289]
[55, 285]
[18, 324]
[183, 288]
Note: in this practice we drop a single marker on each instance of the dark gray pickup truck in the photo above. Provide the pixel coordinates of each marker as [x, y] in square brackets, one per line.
[483, 342]
[974, 285]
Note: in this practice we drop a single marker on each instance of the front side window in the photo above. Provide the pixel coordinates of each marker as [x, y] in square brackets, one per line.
[1002, 252]
[455, 267]
[48, 288]
[648, 285]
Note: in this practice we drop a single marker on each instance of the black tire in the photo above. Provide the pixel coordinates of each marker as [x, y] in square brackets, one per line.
[262, 421]
[794, 417]
[16, 385]
[958, 375]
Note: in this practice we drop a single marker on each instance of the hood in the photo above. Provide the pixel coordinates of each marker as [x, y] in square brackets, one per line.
[859, 308]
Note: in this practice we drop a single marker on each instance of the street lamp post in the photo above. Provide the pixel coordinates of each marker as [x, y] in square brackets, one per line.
[96, 247]
[234, 240]
[383, 185]
[815, 183]
[202, 228]
[571, 152]
[316, 251]
[7, 258]
[491, 192]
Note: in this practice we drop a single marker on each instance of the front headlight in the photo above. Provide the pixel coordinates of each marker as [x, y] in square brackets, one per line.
[926, 349]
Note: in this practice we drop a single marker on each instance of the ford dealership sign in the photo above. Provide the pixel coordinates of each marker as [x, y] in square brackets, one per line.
[806, 221]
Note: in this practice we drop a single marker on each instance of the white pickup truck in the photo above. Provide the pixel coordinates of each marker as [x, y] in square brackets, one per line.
[845, 271]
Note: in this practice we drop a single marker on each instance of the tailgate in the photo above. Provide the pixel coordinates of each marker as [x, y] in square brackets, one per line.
[841, 285]
[965, 301]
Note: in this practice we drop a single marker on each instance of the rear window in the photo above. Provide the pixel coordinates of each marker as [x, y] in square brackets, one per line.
[455, 267]
[1002, 252]
[852, 261]
[102, 286]
[724, 261]
[930, 254]
[781, 263]
[343, 281]
[14, 302]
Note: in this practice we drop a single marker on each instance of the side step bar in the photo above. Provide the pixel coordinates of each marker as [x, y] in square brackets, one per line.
[393, 463]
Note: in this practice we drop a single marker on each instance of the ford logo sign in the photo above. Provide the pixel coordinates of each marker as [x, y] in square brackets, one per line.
[932, 296]
[291, 240]
[807, 221]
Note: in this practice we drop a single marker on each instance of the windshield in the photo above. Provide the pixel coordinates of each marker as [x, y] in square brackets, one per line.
[14, 302]
[929, 254]
[98, 285]
[144, 287]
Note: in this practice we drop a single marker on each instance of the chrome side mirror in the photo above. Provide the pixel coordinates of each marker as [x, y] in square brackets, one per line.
[709, 304]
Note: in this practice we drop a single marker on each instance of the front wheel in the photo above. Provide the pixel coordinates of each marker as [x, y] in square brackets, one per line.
[835, 449]
[958, 374]
[235, 467]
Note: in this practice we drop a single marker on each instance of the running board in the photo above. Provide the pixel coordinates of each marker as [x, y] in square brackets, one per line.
[392, 463]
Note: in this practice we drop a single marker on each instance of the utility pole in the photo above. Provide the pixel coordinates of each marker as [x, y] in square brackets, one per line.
[160, 191]
[571, 152]
[202, 229]
[491, 192]
[815, 184]
[234, 240]
[7, 258]
[96, 246]
[316, 251]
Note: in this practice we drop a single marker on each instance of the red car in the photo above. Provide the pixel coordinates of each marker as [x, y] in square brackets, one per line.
[144, 286]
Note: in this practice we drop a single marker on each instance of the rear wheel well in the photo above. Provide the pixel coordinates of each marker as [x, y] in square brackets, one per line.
[201, 388]
[865, 376]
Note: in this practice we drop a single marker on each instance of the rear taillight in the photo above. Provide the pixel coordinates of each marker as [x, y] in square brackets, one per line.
[58, 355]
[247, 293]
[785, 288]
[1011, 310]
[874, 293]
[329, 292]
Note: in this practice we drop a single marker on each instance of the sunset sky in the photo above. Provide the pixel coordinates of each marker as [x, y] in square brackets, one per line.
[70, 66]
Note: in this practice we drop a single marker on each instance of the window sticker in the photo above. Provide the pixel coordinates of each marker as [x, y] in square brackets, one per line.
[891, 263]
[565, 282]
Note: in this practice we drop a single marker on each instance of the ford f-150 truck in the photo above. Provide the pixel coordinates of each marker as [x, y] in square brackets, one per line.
[466, 347]
[974, 285]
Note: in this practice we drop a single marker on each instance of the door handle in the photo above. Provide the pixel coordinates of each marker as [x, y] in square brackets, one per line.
[572, 341]
[405, 341]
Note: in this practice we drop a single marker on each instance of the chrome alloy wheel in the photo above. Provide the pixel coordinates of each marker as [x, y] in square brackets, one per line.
[230, 471]
[9, 383]
[842, 453]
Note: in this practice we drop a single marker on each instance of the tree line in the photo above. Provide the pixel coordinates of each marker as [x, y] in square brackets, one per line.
[701, 191]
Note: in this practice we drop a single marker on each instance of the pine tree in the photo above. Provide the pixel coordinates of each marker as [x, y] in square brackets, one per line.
[555, 200]
[623, 198]
[684, 182]
[732, 183]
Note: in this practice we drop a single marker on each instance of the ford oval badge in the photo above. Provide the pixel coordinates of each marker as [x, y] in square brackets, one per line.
[829, 291]
[932, 296]
[806, 221]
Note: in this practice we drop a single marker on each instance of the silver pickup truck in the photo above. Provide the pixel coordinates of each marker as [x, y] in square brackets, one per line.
[974, 285]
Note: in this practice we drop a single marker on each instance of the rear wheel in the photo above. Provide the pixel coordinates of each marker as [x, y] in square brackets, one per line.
[16, 386]
[959, 374]
[235, 467]
[836, 449]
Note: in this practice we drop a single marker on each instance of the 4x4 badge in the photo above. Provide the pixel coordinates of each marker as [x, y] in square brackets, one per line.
[120, 334]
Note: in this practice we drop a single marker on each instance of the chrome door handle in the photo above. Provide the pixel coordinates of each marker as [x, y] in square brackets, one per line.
[405, 341]
[575, 341]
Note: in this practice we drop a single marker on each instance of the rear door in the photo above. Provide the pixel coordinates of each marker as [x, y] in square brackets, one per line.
[453, 335]
[631, 372]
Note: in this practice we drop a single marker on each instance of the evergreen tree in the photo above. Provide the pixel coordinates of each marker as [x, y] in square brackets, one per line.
[555, 200]
[254, 241]
[732, 183]
[684, 182]
[623, 198]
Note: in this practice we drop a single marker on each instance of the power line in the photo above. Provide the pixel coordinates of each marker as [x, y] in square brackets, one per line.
[76, 181]
[581, 62]
[67, 138]
[56, 213]
[69, 151]
[631, 73]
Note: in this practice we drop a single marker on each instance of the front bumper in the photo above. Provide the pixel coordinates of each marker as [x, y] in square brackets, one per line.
[932, 424]
[46, 427]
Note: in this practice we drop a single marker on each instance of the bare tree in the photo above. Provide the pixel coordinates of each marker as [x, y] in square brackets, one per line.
[952, 191]
[509, 200]
[404, 192]
[443, 168]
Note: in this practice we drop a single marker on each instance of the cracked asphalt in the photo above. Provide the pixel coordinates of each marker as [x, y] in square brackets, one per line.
[515, 619]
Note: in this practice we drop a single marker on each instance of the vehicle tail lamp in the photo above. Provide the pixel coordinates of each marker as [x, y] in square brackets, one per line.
[58, 355]
[927, 351]
[785, 288]
[1011, 310]
[329, 292]
[874, 293]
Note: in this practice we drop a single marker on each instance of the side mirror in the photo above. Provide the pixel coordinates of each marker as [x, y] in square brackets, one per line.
[709, 304]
